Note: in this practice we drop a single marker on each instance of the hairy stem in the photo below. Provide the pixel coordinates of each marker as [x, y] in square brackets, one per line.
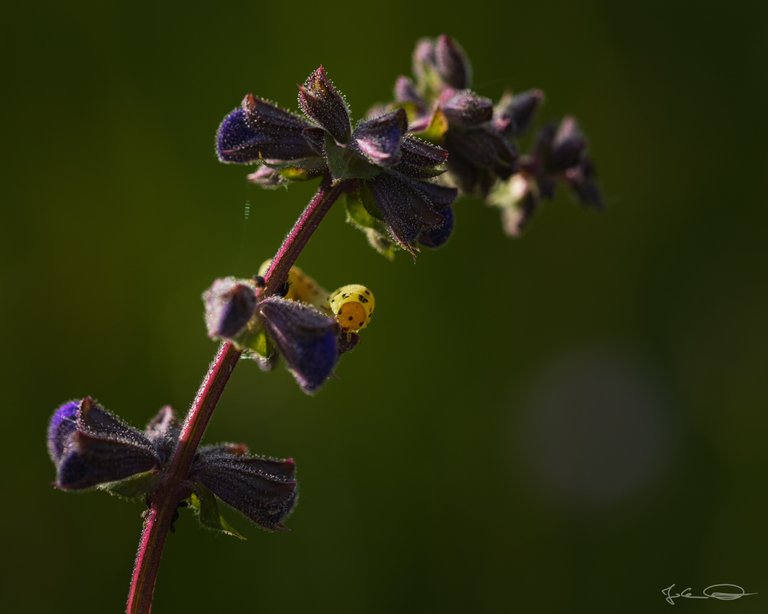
[302, 230]
[171, 491]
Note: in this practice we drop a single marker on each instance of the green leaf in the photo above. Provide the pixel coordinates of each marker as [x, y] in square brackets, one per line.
[204, 503]
[344, 164]
[359, 215]
[133, 487]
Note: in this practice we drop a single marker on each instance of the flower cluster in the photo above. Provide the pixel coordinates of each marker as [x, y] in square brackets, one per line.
[92, 448]
[396, 157]
[391, 196]
[481, 138]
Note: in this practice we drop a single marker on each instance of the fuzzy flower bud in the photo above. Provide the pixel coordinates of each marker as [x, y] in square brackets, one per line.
[263, 489]
[229, 305]
[304, 337]
[379, 139]
[259, 130]
[452, 63]
[90, 446]
[514, 114]
[321, 102]
[465, 108]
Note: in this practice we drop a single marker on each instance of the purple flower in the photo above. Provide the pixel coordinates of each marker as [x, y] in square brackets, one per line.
[259, 130]
[263, 489]
[304, 337]
[91, 447]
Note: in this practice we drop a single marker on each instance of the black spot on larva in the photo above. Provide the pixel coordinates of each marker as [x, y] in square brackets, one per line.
[361, 323]
[345, 295]
[349, 318]
[362, 298]
[368, 292]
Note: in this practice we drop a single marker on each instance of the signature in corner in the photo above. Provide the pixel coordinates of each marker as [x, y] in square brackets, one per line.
[722, 592]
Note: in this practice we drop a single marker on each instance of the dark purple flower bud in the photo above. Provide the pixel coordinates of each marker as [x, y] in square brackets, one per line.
[424, 62]
[91, 446]
[483, 147]
[438, 236]
[405, 91]
[420, 160]
[304, 337]
[478, 156]
[514, 114]
[465, 108]
[410, 207]
[266, 177]
[321, 102]
[581, 180]
[163, 431]
[568, 146]
[452, 63]
[420, 154]
[562, 154]
[260, 130]
[91, 461]
[378, 140]
[262, 489]
[229, 306]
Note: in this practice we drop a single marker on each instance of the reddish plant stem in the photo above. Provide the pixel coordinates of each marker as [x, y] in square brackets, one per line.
[172, 490]
[167, 496]
[302, 230]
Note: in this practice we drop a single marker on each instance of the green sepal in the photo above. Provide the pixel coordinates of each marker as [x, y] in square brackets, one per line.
[257, 346]
[344, 164]
[360, 206]
[251, 338]
[134, 487]
[205, 505]
[258, 343]
[436, 129]
[358, 213]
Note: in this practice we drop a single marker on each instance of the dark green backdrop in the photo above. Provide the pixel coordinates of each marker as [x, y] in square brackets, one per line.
[566, 423]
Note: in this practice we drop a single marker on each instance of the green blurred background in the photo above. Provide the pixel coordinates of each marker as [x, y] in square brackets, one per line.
[570, 422]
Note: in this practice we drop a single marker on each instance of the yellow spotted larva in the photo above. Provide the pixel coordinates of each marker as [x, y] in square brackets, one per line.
[352, 306]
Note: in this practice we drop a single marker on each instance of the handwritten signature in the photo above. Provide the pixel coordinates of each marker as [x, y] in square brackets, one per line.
[713, 591]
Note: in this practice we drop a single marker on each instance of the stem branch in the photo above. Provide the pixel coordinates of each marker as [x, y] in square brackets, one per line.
[170, 492]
